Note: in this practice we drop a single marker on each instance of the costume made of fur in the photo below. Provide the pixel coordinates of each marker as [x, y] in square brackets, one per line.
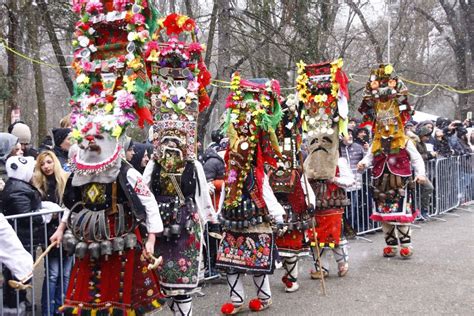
[179, 78]
[249, 208]
[323, 90]
[288, 184]
[392, 156]
[111, 208]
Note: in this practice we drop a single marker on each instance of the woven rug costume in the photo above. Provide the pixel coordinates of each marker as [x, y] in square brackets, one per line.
[248, 244]
[176, 178]
[288, 185]
[385, 107]
[111, 207]
[323, 90]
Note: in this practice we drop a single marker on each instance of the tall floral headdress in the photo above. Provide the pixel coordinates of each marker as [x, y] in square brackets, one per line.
[253, 113]
[111, 80]
[179, 79]
[323, 88]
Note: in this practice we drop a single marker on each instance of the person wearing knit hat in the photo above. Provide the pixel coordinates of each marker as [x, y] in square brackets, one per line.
[426, 189]
[9, 145]
[62, 143]
[23, 132]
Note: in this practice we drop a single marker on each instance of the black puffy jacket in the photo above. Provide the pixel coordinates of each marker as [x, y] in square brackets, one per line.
[214, 166]
[20, 197]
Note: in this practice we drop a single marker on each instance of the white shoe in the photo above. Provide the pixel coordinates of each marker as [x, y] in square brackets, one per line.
[294, 287]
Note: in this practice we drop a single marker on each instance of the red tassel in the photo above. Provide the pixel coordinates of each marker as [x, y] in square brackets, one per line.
[388, 250]
[143, 114]
[227, 309]
[255, 304]
[405, 252]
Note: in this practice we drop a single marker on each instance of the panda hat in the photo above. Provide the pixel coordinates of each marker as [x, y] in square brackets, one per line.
[20, 168]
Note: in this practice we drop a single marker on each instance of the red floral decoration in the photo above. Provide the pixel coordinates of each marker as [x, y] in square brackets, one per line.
[227, 308]
[171, 24]
[255, 305]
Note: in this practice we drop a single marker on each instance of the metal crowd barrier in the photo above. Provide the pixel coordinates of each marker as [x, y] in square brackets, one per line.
[452, 179]
[39, 276]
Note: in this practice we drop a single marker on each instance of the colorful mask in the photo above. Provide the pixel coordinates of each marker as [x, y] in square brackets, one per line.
[323, 90]
[253, 112]
[111, 79]
[179, 78]
[385, 107]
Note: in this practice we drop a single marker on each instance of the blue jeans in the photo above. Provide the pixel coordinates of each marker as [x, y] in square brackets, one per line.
[52, 282]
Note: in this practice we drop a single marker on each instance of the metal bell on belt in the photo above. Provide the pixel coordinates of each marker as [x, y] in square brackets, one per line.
[189, 224]
[106, 248]
[175, 230]
[118, 244]
[81, 250]
[94, 250]
[69, 242]
[167, 232]
[130, 241]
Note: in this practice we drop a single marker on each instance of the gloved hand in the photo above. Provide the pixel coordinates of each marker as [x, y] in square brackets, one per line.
[212, 187]
[47, 218]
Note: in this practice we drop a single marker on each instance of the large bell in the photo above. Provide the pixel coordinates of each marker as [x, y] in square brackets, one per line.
[175, 230]
[106, 248]
[81, 250]
[118, 244]
[130, 241]
[69, 242]
[94, 250]
[189, 224]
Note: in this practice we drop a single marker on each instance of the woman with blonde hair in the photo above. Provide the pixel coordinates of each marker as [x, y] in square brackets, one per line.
[50, 179]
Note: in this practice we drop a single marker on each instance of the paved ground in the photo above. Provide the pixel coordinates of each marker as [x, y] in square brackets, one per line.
[438, 279]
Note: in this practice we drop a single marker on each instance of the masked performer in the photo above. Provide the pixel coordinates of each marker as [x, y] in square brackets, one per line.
[253, 113]
[393, 156]
[111, 207]
[323, 90]
[175, 176]
[289, 188]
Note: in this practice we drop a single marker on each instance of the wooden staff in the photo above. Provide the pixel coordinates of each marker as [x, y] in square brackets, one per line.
[20, 285]
[313, 227]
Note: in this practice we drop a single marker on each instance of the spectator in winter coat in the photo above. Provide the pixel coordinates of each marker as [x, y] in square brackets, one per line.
[361, 137]
[451, 132]
[9, 146]
[441, 145]
[462, 136]
[62, 144]
[128, 146]
[20, 197]
[426, 188]
[424, 133]
[23, 132]
[429, 128]
[141, 156]
[352, 151]
[50, 179]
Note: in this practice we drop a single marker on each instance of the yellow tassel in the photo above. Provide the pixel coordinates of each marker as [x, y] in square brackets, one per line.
[331, 245]
[111, 310]
[321, 244]
[93, 312]
[155, 304]
[130, 312]
[75, 311]
[313, 244]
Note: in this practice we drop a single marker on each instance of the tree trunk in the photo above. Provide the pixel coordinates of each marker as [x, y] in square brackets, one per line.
[189, 8]
[210, 37]
[48, 24]
[223, 68]
[370, 33]
[12, 74]
[32, 25]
